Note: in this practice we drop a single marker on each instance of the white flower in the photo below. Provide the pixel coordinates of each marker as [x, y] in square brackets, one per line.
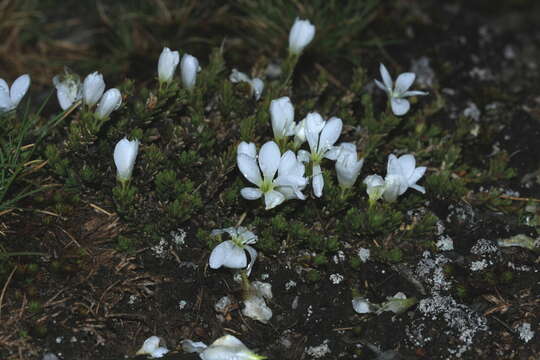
[168, 61]
[387, 188]
[375, 187]
[11, 97]
[232, 253]
[348, 166]
[282, 116]
[189, 68]
[226, 347]
[405, 167]
[110, 101]
[399, 92]
[125, 153]
[292, 167]
[269, 162]
[321, 136]
[151, 347]
[301, 34]
[256, 84]
[93, 88]
[68, 89]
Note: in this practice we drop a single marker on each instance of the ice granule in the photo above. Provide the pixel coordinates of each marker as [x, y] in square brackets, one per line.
[525, 332]
[445, 243]
[479, 265]
[363, 254]
[483, 247]
[319, 351]
[464, 322]
[336, 278]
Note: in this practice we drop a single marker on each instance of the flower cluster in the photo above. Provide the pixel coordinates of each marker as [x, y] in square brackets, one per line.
[401, 174]
[189, 67]
[69, 91]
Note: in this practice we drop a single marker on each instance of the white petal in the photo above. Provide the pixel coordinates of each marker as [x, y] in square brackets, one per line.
[407, 164]
[304, 156]
[392, 184]
[248, 167]
[287, 164]
[387, 79]
[217, 257]
[282, 117]
[228, 340]
[418, 188]
[250, 193]
[404, 82]
[414, 93]
[273, 198]
[257, 87]
[256, 308]
[252, 256]
[417, 174]
[5, 100]
[248, 149]
[19, 89]
[373, 180]
[159, 352]
[269, 157]
[381, 86]
[393, 166]
[400, 106]
[237, 76]
[330, 133]
[93, 88]
[332, 153]
[314, 126]
[192, 346]
[236, 258]
[247, 236]
[318, 181]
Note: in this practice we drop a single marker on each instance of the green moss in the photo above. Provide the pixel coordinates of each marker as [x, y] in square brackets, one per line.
[375, 220]
[394, 255]
[444, 186]
[313, 276]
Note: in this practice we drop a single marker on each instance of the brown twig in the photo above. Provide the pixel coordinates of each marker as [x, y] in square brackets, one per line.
[4, 290]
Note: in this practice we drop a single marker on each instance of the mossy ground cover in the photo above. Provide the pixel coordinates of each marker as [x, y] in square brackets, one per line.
[90, 269]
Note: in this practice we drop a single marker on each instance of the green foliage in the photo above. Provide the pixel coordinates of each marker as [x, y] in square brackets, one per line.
[380, 219]
[445, 186]
[260, 18]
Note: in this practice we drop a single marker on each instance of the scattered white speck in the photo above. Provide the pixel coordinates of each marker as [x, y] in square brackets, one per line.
[445, 243]
[479, 265]
[59, 339]
[364, 254]
[525, 332]
[290, 284]
[159, 250]
[132, 299]
[309, 311]
[265, 276]
[182, 304]
[178, 237]
[73, 339]
[472, 111]
[339, 257]
[513, 266]
[223, 304]
[336, 278]
[484, 246]
[319, 351]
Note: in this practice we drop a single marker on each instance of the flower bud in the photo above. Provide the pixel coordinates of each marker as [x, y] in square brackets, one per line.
[375, 187]
[110, 101]
[168, 61]
[189, 68]
[348, 166]
[257, 87]
[282, 115]
[125, 153]
[68, 89]
[93, 88]
[300, 133]
[300, 36]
